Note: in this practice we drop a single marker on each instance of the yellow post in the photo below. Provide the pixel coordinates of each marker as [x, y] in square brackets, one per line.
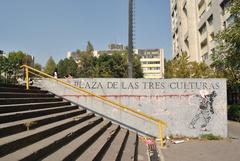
[161, 133]
[27, 79]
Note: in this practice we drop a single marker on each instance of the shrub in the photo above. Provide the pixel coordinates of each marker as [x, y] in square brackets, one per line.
[234, 112]
[210, 137]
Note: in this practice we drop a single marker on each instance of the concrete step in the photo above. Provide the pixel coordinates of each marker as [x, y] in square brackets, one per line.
[22, 90]
[130, 149]
[20, 126]
[116, 146]
[142, 152]
[24, 95]
[7, 101]
[75, 148]
[43, 148]
[17, 86]
[17, 141]
[15, 116]
[36, 125]
[100, 146]
[30, 106]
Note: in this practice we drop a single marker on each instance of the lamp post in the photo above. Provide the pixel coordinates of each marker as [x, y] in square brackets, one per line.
[130, 39]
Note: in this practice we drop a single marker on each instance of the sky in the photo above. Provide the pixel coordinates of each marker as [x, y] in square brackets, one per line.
[45, 28]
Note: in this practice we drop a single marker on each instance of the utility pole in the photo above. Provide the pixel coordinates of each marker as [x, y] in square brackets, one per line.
[130, 39]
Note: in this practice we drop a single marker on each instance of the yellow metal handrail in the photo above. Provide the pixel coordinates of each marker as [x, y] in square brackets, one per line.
[144, 116]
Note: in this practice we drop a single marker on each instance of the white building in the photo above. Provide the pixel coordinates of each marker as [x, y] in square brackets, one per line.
[194, 25]
[116, 47]
[112, 47]
[152, 62]
[74, 55]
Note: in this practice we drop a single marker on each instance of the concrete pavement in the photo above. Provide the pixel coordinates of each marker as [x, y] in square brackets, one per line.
[204, 150]
[233, 130]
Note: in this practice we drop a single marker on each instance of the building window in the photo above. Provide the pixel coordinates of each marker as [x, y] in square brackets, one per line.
[209, 4]
[201, 8]
[200, 4]
[187, 42]
[210, 20]
[185, 9]
[212, 35]
[203, 29]
[225, 5]
[151, 62]
[203, 43]
[205, 57]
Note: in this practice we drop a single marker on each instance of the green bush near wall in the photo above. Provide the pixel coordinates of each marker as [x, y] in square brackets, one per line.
[210, 137]
[234, 112]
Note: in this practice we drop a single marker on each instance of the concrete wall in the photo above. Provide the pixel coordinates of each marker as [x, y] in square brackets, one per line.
[191, 107]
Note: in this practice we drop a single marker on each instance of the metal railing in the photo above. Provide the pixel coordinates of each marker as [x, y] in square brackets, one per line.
[141, 115]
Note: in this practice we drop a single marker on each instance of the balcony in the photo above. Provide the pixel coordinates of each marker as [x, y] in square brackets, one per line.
[203, 36]
[212, 45]
[204, 50]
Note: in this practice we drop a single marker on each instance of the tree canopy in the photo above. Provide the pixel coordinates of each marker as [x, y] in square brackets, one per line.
[227, 55]
[66, 67]
[38, 66]
[180, 67]
[90, 47]
[10, 65]
[50, 66]
[104, 66]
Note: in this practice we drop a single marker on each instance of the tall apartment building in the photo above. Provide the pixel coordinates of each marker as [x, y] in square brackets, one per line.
[152, 62]
[194, 25]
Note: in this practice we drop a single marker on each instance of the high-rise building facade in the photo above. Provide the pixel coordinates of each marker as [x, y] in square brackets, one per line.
[152, 62]
[194, 25]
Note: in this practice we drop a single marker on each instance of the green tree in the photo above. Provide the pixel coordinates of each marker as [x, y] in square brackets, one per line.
[90, 47]
[116, 65]
[14, 61]
[178, 67]
[2, 65]
[10, 66]
[67, 66]
[108, 66]
[38, 66]
[137, 67]
[120, 65]
[17, 57]
[72, 67]
[50, 66]
[103, 68]
[181, 68]
[227, 55]
[87, 66]
[62, 68]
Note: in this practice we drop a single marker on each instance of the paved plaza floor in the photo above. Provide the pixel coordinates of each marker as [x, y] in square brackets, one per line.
[202, 150]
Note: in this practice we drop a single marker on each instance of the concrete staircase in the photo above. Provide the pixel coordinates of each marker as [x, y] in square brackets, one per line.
[37, 125]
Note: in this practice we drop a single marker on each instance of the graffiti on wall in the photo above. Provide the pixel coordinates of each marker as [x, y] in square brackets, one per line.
[205, 109]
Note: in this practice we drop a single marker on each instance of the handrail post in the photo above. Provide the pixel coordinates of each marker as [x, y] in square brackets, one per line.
[160, 133]
[27, 79]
